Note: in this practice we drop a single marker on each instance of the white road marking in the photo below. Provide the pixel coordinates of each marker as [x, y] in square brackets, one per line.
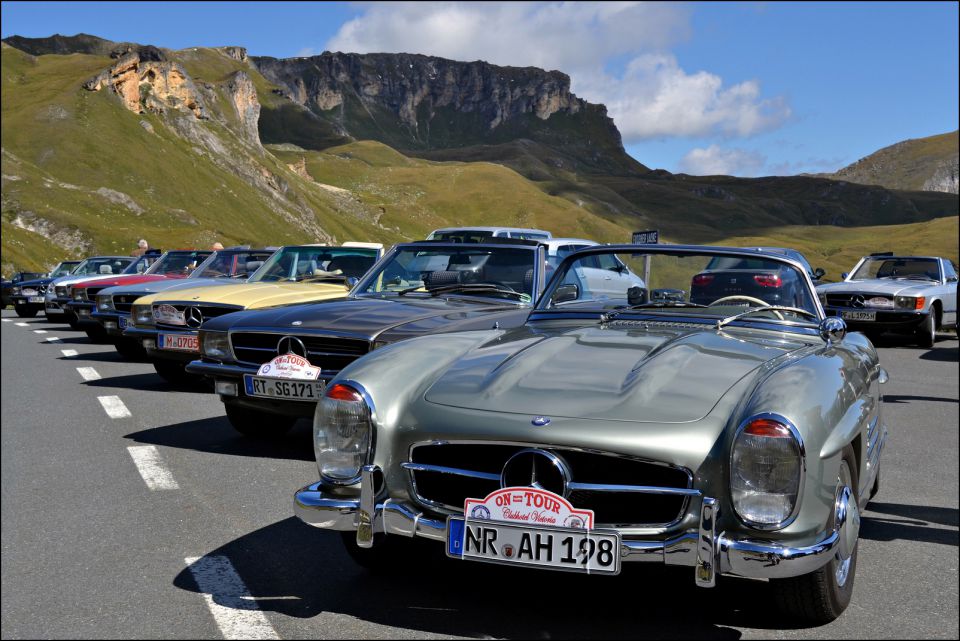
[155, 474]
[114, 407]
[22, 324]
[229, 600]
[54, 339]
[39, 331]
[68, 352]
[89, 374]
[6, 320]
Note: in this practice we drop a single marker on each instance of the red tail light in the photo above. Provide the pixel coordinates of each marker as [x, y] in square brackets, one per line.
[768, 280]
[341, 392]
[702, 280]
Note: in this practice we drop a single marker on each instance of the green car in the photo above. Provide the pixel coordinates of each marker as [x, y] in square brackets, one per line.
[735, 435]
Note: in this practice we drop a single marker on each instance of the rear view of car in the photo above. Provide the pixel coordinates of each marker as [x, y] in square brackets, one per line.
[747, 280]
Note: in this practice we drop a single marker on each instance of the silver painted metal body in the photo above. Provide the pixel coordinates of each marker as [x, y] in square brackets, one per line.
[668, 388]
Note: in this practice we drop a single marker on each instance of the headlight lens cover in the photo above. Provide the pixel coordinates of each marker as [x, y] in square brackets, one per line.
[14, 290]
[80, 294]
[342, 434]
[104, 302]
[766, 471]
[910, 302]
[142, 315]
[216, 345]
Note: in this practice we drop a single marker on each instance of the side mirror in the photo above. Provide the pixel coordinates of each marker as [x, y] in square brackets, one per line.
[833, 329]
[844, 275]
[819, 273]
[565, 293]
[350, 281]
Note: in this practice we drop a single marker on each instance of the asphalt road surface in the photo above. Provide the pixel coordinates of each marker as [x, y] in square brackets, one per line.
[163, 522]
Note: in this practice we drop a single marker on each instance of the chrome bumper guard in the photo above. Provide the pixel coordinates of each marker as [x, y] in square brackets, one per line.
[705, 550]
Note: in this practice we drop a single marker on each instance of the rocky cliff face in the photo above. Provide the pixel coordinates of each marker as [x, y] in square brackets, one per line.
[415, 101]
[243, 94]
[945, 177]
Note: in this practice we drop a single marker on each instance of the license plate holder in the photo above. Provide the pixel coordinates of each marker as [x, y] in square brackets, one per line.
[283, 389]
[179, 342]
[35, 299]
[123, 321]
[564, 549]
[858, 316]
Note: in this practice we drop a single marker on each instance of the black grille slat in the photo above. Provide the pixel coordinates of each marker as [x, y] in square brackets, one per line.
[610, 508]
[329, 353]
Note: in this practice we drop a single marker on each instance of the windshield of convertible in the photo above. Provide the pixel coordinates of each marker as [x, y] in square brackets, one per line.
[231, 264]
[630, 284]
[895, 267]
[103, 265]
[315, 264]
[462, 269]
[178, 263]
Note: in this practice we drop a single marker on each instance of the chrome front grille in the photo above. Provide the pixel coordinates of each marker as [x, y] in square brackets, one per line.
[622, 491]
[330, 353]
[847, 300]
[207, 311]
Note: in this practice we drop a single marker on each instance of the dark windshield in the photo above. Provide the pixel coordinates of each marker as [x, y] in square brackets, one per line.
[178, 263]
[892, 267]
[102, 266]
[232, 264]
[456, 269]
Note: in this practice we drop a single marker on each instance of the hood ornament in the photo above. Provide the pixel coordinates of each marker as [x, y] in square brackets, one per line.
[540, 421]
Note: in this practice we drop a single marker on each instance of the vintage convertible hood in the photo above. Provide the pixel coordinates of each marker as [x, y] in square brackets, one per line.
[886, 286]
[153, 287]
[131, 279]
[389, 319]
[254, 294]
[662, 374]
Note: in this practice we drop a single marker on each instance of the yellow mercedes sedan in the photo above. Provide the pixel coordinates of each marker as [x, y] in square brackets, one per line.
[167, 322]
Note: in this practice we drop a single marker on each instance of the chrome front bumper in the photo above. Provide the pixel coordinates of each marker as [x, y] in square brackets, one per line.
[705, 550]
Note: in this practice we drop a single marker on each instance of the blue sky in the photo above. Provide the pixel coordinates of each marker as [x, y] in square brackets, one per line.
[742, 88]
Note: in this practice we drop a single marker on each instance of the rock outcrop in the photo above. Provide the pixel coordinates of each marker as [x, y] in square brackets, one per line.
[243, 95]
[945, 177]
[146, 81]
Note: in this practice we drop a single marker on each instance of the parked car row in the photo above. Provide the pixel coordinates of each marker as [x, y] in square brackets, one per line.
[545, 402]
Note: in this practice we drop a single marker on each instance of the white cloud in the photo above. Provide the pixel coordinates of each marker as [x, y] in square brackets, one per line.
[652, 96]
[306, 52]
[715, 161]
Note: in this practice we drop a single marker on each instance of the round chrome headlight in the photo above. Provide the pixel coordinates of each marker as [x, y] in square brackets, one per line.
[766, 471]
[342, 434]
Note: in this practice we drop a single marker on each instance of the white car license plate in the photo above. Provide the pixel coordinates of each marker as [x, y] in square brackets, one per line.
[178, 342]
[123, 321]
[35, 299]
[574, 550]
[859, 316]
[283, 388]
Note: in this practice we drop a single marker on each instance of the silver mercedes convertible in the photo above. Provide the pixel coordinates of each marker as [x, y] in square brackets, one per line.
[736, 435]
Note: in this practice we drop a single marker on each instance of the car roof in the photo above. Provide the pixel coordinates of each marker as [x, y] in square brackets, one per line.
[520, 229]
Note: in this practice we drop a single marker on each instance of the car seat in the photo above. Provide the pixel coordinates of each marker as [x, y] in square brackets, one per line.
[106, 269]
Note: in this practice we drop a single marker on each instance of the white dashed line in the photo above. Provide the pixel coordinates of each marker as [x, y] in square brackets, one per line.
[39, 331]
[69, 353]
[90, 374]
[6, 320]
[231, 604]
[155, 474]
[22, 324]
[54, 339]
[114, 407]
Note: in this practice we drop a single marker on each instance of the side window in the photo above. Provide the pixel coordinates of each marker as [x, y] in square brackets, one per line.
[609, 262]
[949, 271]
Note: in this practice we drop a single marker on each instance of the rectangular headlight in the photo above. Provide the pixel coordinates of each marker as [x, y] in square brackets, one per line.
[104, 302]
[216, 345]
[80, 294]
[910, 302]
[142, 315]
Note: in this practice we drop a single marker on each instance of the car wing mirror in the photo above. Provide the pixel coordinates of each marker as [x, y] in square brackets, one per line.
[565, 293]
[819, 273]
[350, 281]
[844, 275]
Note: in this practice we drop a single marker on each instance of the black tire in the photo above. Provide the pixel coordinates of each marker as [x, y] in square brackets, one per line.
[173, 372]
[257, 424]
[25, 311]
[819, 597]
[927, 332]
[97, 334]
[72, 320]
[875, 490]
[129, 348]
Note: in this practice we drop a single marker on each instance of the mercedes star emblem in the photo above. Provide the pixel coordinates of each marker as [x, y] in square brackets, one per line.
[291, 345]
[536, 468]
[193, 317]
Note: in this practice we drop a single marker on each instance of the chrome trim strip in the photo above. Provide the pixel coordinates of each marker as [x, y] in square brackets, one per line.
[440, 469]
[367, 513]
[639, 489]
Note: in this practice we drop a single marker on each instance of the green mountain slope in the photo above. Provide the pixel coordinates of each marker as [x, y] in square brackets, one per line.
[117, 142]
[927, 164]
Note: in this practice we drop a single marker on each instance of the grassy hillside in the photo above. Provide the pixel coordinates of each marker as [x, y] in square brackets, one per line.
[911, 164]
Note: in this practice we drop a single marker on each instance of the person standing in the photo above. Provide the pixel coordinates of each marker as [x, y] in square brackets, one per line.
[141, 249]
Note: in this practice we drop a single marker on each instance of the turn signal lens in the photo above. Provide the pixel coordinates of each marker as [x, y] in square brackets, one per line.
[768, 280]
[341, 392]
[765, 472]
[920, 301]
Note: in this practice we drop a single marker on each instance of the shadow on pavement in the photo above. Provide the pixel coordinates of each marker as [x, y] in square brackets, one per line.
[942, 354]
[101, 357]
[149, 382]
[298, 571]
[914, 524]
[217, 436]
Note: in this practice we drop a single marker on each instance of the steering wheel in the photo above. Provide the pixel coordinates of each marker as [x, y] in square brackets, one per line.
[749, 299]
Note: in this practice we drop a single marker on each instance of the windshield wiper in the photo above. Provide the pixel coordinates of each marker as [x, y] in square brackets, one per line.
[609, 316]
[773, 308]
[477, 287]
